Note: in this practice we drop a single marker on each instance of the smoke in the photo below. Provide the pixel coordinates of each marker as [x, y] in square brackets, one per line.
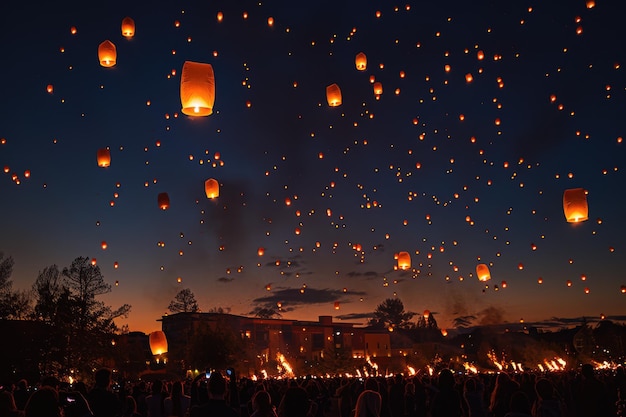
[490, 315]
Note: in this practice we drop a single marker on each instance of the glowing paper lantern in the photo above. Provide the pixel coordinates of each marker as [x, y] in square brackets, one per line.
[575, 205]
[482, 272]
[50, 88]
[128, 27]
[426, 314]
[197, 89]
[107, 54]
[104, 157]
[212, 188]
[336, 305]
[360, 61]
[333, 95]
[404, 260]
[260, 251]
[378, 88]
[158, 342]
[164, 201]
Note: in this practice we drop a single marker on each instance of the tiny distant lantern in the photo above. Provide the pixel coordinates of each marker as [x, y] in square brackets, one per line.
[404, 260]
[575, 205]
[197, 89]
[623, 289]
[50, 88]
[107, 54]
[333, 95]
[378, 88]
[336, 305]
[158, 342]
[261, 251]
[482, 272]
[128, 27]
[212, 188]
[360, 61]
[426, 314]
[164, 201]
[104, 157]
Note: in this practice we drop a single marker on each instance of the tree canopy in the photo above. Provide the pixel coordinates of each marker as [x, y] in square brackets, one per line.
[391, 313]
[184, 302]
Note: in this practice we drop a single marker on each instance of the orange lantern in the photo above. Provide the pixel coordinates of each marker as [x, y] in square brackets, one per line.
[378, 88]
[128, 27]
[404, 260]
[575, 205]
[107, 54]
[197, 89]
[104, 157]
[158, 342]
[482, 272]
[333, 95]
[426, 314]
[212, 188]
[261, 251]
[360, 61]
[164, 201]
[336, 305]
[50, 88]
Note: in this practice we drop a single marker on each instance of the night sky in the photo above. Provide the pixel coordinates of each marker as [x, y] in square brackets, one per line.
[457, 173]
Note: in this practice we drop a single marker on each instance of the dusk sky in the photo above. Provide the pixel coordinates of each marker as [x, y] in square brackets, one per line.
[456, 170]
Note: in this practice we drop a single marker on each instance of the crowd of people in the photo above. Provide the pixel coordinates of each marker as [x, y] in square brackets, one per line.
[584, 393]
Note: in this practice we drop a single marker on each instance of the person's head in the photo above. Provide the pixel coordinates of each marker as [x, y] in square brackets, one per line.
[261, 401]
[519, 403]
[409, 388]
[368, 404]
[372, 384]
[217, 385]
[22, 384]
[295, 402]
[130, 406]
[446, 379]
[544, 389]
[43, 403]
[587, 371]
[7, 402]
[177, 389]
[103, 378]
[157, 387]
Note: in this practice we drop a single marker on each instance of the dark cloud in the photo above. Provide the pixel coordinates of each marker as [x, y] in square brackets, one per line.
[290, 297]
[225, 279]
[355, 316]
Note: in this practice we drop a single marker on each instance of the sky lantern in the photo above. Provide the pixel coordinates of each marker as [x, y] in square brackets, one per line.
[333, 95]
[158, 342]
[575, 205]
[107, 54]
[378, 88]
[212, 188]
[426, 314]
[623, 289]
[260, 251]
[128, 27]
[50, 88]
[404, 260]
[104, 157]
[164, 201]
[220, 16]
[197, 89]
[336, 305]
[360, 61]
[482, 272]
[591, 4]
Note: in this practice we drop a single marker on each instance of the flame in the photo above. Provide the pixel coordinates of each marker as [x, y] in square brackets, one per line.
[430, 370]
[370, 363]
[492, 356]
[264, 372]
[284, 365]
[470, 368]
[411, 370]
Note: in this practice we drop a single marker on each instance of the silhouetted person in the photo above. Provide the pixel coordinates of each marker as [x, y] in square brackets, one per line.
[216, 406]
[7, 405]
[102, 401]
[591, 398]
[501, 395]
[21, 394]
[368, 404]
[520, 405]
[262, 405]
[43, 403]
[129, 409]
[295, 403]
[177, 404]
[474, 394]
[155, 402]
[546, 405]
[396, 396]
[447, 401]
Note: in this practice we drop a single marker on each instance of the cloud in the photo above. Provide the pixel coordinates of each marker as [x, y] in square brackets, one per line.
[225, 279]
[490, 315]
[355, 316]
[291, 297]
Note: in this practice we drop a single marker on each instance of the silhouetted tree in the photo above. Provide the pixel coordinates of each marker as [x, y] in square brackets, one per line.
[390, 313]
[14, 305]
[265, 313]
[184, 302]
